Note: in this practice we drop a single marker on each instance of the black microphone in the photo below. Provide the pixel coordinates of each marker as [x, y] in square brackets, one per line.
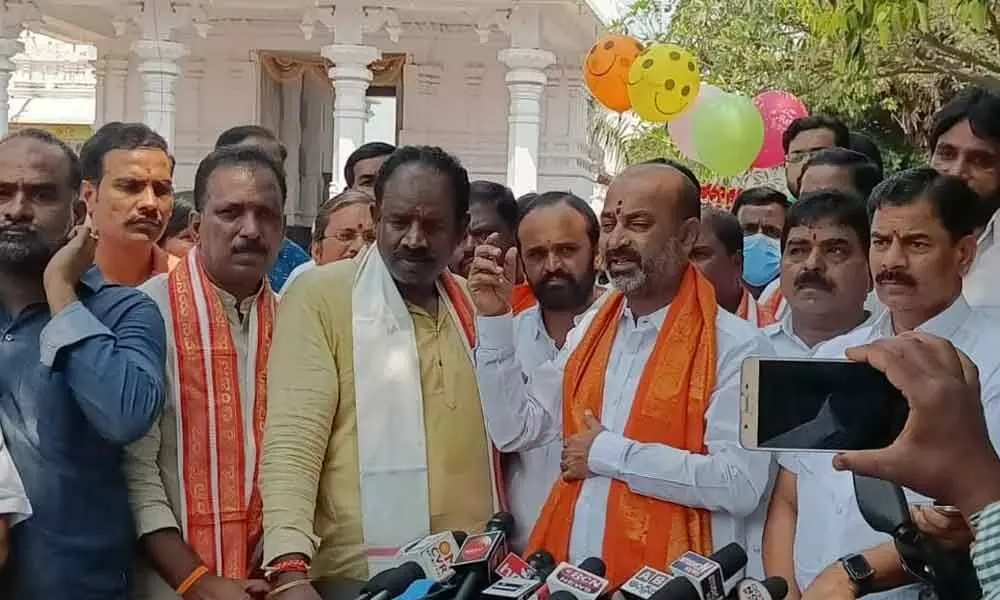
[543, 563]
[701, 578]
[772, 588]
[481, 554]
[562, 595]
[585, 582]
[391, 582]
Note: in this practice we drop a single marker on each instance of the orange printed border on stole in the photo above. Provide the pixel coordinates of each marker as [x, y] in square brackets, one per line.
[240, 519]
[467, 317]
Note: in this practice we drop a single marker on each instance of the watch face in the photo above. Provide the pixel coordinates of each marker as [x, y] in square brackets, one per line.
[857, 567]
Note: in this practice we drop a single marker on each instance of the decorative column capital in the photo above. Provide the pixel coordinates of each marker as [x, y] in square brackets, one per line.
[526, 65]
[350, 61]
[159, 51]
[8, 48]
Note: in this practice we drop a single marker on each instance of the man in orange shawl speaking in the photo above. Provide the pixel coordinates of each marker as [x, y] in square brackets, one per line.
[649, 390]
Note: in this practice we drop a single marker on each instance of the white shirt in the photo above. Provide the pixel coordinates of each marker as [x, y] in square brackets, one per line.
[787, 343]
[982, 285]
[531, 473]
[14, 505]
[294, 275]
[829, 523]
[729, 481]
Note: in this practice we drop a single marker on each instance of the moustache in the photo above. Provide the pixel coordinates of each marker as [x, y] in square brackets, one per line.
[411, 256]
[155, 221]
[897, 277]
[250, 248]
[813, 279]
[622, 254]
[21, 230]
[557, 276]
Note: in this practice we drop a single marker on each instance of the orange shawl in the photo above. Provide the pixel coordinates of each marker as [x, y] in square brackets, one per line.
[768, 311]
[522, 298]
[222, 512]
[669, 408]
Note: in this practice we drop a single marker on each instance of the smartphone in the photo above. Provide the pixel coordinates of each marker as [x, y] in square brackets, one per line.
[817, 405]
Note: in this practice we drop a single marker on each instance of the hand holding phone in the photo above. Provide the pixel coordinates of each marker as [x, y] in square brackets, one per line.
[491, 278]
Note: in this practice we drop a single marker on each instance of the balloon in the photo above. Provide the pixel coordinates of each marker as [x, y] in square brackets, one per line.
[681, 128]
[728, 134]
[606, 70]
[778, 109]
[662, 82]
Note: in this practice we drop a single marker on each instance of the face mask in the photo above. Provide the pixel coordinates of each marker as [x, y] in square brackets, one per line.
[761, 259]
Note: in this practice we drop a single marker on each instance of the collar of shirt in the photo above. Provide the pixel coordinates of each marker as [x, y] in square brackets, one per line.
[944, 324]
[653, 320]
[988, 237]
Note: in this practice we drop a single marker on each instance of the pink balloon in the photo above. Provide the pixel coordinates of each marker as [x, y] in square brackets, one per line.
[778, 109]
[681, 127]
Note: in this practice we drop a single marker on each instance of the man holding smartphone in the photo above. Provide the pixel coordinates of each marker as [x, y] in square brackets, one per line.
[651, 408]
[923, 243]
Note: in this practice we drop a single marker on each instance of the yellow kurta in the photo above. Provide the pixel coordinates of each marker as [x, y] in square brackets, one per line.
[309, 472]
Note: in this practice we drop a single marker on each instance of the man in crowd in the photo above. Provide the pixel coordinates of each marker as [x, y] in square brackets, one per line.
[557, 238]
[81, 368]
[128, 188]
[719, 254]
[840, 169]
[805, 137]
[492, 209]
[179, 236]
[965, 141]
[362, 166]
[291, 255]
[343, 228]
[664, 319]
[863, 144]
[761, 213]
[199, 527]
[922, 244]
[374, 409]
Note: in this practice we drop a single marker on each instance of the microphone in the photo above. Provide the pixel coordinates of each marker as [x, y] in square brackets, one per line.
[422, 588]
[772, 588]
[481, 554]
[700, 578]
[644, 584]
[391, 582]
[434, 553]
[543, 563]
[585, 582]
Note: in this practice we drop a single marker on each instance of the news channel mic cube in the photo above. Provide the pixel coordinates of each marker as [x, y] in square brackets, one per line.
[434, 553]
[646, 582]
[515, 566]
[481, 553]
[582, 584]
[705, 574]
[512, 588]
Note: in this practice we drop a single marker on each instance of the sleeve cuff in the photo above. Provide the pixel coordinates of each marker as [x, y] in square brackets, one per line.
[495, 333]
[288, 541]
[154, 518]
[607, 454]
[15, 509]
[71, 325]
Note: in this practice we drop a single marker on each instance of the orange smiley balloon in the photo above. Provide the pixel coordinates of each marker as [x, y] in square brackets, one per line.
[606, 70]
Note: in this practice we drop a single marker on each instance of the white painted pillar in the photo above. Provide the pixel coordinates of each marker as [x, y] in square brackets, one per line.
[351, 77]
[159, 67]
[525, 81]
[114, 107]
[9, 46]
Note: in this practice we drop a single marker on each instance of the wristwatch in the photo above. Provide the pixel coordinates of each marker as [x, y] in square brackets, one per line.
[860, 571]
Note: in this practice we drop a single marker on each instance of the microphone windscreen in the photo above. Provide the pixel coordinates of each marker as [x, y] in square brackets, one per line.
[401, 577]
[594, 565]
[542, 562]
[678, 588]
[459, 537]
[777, 587]
[561, 595]
[502, 521]
[731, 558]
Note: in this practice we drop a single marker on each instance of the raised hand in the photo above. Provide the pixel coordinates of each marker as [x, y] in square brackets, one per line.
[491, 278]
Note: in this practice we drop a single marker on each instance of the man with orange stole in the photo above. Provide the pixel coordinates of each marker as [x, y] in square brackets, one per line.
[649, 411]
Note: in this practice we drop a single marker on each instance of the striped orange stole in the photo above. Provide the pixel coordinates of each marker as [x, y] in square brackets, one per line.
[669, 408]
[466, 314]
[768, 310]
[222, 512]
[522, 298]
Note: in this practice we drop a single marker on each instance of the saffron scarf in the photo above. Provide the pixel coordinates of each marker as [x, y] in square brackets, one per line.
[770, 309]
[748, 309]
[392, 450]
[218, 442]
[669, 408]
[522, 298]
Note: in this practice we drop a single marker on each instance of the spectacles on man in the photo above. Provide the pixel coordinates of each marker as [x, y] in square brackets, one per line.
[797, 156]
[346, 236]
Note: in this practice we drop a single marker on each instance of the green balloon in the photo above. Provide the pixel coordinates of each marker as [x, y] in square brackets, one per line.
[728, 134]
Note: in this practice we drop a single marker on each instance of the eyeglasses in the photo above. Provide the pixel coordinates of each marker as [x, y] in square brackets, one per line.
[796, 156]
[346, 236]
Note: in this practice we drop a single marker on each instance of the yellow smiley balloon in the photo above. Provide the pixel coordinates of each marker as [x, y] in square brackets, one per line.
[663, 82]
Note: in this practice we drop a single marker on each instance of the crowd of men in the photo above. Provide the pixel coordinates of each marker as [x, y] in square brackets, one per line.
[193, 406]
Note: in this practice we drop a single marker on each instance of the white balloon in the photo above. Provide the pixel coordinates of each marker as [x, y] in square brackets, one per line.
[681, 127]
